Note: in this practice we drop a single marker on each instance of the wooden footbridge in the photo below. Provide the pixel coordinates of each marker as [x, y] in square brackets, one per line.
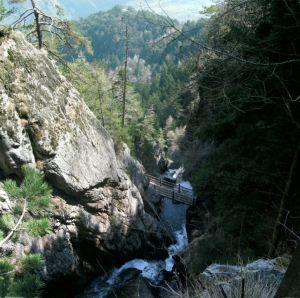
[176, 192]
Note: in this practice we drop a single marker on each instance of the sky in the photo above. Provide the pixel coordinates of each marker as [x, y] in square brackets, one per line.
[180, 9]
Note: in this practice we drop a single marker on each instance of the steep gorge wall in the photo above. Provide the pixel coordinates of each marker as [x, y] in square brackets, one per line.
[97, 213]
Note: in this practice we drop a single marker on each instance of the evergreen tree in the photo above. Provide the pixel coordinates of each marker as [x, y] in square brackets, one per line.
[50, 30]
[33, 194]
[16, 278]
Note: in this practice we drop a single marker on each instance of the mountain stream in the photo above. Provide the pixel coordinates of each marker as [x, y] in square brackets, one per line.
[173, 217]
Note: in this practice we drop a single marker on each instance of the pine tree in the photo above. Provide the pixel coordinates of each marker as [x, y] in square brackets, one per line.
[33, 194]
[16, 278]
[50, 31]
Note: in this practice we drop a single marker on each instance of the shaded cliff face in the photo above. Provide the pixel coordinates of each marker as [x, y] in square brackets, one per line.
[45, 123]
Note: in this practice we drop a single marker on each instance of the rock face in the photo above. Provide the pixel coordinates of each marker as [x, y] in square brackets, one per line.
[152, 201]
[44, 119]
[98, 214]
[261, 279]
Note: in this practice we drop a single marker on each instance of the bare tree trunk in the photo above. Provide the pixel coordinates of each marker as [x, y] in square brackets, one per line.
[284, 201]
[125, 74]
[100, 100]
[38, 25]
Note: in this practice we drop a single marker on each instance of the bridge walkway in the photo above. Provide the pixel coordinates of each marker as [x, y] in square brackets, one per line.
[176, 192]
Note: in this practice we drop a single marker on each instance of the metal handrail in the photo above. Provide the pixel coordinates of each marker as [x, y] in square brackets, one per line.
[173, 191]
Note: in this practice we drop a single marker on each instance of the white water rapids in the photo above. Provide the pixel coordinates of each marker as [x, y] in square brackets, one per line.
[173, 218]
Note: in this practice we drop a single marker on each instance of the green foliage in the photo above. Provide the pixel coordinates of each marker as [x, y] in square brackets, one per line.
[2, 10]
[105, 30]
[66, 41]
[103, 95]
[51, 31]
[31, 261]
[10, 186]
[283, 262]
[99, 92]
[36, 192]
[149, 39]
[5, 282]
[33, 189]
[5, 266]
[5, 279]
[209, 10]
[38, 227]
[16, 281]
[28, 285]
[247, 111]
[149, 108]
[7, 222]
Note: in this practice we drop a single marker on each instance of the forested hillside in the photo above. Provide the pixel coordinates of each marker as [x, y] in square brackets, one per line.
[243, 137]
[147, 38]
[156, 96]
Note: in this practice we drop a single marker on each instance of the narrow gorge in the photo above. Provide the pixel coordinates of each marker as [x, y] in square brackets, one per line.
[110, 232]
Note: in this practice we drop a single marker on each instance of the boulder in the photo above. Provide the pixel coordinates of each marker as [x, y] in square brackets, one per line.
[266, 268]
[138, 288]
[269, 270]
[261, 279]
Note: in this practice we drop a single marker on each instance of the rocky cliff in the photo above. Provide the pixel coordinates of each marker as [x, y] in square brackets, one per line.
[98, 215]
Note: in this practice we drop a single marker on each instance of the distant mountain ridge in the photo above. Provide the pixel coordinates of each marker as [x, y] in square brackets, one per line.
[106, 30]
[178, 9]
[75, 9]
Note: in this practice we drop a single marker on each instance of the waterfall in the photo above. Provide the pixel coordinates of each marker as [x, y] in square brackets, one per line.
[179, 246]
[173, 217]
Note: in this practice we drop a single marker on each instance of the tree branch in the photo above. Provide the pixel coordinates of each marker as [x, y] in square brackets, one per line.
[16, 226]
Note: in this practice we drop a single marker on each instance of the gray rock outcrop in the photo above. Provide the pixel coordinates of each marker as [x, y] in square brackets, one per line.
[98, 213]
[152, 200]
[261, 279]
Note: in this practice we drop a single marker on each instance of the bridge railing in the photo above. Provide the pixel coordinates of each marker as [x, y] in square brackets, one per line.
[173, 191]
